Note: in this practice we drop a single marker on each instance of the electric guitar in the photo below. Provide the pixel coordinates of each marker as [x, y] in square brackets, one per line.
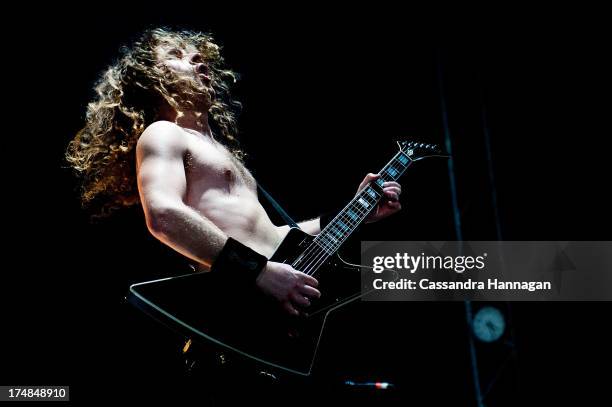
[247, 324]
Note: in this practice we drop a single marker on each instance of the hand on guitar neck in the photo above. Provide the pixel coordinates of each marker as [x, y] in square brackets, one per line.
[387, 206]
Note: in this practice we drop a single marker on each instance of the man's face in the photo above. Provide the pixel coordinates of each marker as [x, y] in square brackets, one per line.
[184, 61]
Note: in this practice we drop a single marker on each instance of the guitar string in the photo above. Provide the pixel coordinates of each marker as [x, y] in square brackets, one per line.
[330, 248]
[319, 251]
[322, 251]
[314, 265]
[324, 254]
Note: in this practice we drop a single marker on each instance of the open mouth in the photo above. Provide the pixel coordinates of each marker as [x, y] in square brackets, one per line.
[202, 71]
[205, 78]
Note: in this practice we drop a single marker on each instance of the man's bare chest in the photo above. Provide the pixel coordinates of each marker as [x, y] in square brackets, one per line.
[209, 164]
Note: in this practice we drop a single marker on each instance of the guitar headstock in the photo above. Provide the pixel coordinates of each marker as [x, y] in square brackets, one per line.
[417, 151]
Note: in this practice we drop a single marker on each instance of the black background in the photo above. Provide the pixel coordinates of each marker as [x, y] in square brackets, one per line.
[326, 92]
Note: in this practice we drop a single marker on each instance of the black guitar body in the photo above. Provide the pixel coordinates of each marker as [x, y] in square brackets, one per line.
[214, 310]
[243, 320]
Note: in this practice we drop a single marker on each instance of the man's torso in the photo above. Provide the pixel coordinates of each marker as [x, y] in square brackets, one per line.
[221, 189]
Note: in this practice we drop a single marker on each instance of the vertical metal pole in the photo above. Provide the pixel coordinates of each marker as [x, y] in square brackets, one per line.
[487, 140]
[458, 231]
[449, 150]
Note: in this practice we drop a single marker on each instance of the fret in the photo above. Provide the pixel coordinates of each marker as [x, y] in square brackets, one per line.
[373, 194]
[403, 159]
[345, 223]
[365, 203]
[354, 213]
[395, 168]
[323, 246]
[392, 172]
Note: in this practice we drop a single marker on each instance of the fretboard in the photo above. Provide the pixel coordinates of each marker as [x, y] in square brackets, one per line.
[349, 218]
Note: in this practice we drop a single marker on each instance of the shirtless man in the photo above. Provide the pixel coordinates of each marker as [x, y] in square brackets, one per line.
[196, 194]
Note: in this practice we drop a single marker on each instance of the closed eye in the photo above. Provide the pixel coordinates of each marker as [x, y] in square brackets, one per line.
[176, 53]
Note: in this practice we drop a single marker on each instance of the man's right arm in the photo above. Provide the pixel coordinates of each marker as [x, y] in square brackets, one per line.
[162, 185]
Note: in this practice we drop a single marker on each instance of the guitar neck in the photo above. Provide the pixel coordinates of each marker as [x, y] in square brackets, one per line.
[346, 222]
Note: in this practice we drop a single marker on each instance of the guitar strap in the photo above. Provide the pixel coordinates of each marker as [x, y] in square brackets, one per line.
[278, 208]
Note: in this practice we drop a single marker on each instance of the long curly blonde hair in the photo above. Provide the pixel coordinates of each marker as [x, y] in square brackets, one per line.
[129, 94]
